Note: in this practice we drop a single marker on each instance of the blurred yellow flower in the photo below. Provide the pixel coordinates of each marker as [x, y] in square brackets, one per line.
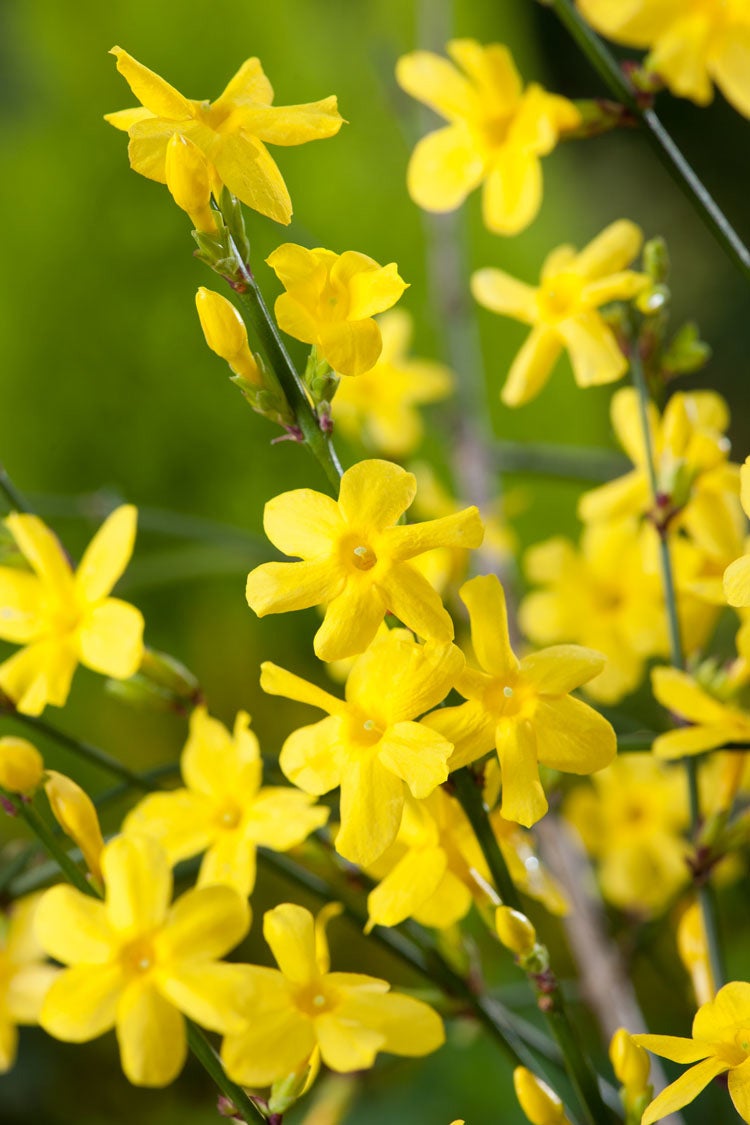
[631, 1065]
[21, 765]
[692, 948]
[379, 406]
[632, 822]
[64, 618]
[330, 302]
[538, 1101]
[563, 311]
[720, 1042]
[370, 744]
[691, 46]
[522, 708]
[714, 720]
[138, 963]
[737, 575]
[25, 975]
[356, 558]
[231, 132]
[302, 1006]
[496, 134]
[223, 811]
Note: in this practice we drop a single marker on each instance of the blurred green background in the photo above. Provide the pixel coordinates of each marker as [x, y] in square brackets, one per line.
[109, 392]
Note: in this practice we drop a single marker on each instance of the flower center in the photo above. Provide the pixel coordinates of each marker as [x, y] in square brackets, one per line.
[138, 956]
[507, 700]
[559, 296]
[313, 999]
[363, 557]
[229, 815]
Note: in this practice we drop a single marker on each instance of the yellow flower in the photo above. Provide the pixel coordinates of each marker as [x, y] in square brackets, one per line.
[522, 708]
[720, 1042]
[632, 822]
[696, 484]
[714, 720]
[223, 811]
[231, 132]
[75, 812]
[138, 963]
[330, 301]
[301, 1007]
[21, 765]
[562, 311]
[601, 596]
[379, 405]
[737, 575]
[370, 744]
[64, 618]
[692, 948]
[355, 558]
[496, 133]
[691, 45]
[541, 1104]
[25, 976]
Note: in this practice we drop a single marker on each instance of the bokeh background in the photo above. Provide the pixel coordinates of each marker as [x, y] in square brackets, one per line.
[109, 393]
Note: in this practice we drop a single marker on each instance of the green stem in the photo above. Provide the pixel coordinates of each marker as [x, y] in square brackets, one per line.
[11, 493]
[608, 69]
[84, 750]
[317, 441]
[580, 1071]
[53, 846]
[469, 795]
[212, 1064]
[704, 893]
[570, 462]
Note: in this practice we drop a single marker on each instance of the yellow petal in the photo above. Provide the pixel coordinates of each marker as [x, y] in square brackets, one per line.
[484, 598]
[22, 605]
[594, 353]
[27, 991]
[684, 1090]
[512, 193]
[138, 884]
[281, 587]
[249, 83]
[631, 21]
[303, 523]
[211, 994]
[410, 597]
[739, 1089]
[76, 814]
[312, 757]
[561, 668]
[728, 1011]
[21, 765]
[407, 886]
[351, 621]
[730, 66]
[626, 496]
[82, 1002]
[277, 1042]
[409, 1027]
[38, 675]
[611, 251]
[277, 681]
[679, 692]
[532, 367]
[147, 147]
[282, 818]
[216, 763]
[523, 797]
[737, 582]
[437, 83]
[492, 71]
[462, 530]
[231, 861]
[181, 821]
[42, 550]
[398, 679]
[572, 736]
[372, 801]
[21, 941]
[250, 172]
[290, 932]
[628, 426]
[73, 927]
[351, 347]
[371, 290]
[346, 1045]
[468, 727]
[299, 268]
[691, 740]
[107, 554]
[375, 494]
[444, 168]
[295, 319]
[110, 639]
[151, 90]
[503, 294]
[294, 124]
[204, 923]
[151, 1035]
[123, 119]
[416, 754]
[680, 57]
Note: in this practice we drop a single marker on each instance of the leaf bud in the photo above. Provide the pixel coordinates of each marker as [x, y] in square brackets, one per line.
[21, 765]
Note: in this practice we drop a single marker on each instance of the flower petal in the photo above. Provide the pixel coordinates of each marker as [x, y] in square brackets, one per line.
[138, 882]
[247, 168]
[43, 552]
[345, 1044]
[303, 523]
[411, 598]
[107, 554]
[679, 692]
[737, 582]
[351, 347]
[151, 90]
[410, 1027]
[230, 861]
[436, 82]
[532, 366]
[462, 530]
[372, 802]
[281, 587]
[594, 353]
[512, 193]
[628, 425]
[204, 923]
[468, 727]
[416, 754]
[21, 605]
[181, 821]
[611, 251]
[351, 621]
[276, 1042]
[523, 797]
[151, 1035]
[622, 286]
[629, 495]
[445, 167]
[484, 598]
[723, 1015]
[282, 818]
[730, 67]
[249, 83]
[398, 679]
[500, 293]
[371, 290]
[217, 763]
[82, 1002]
[294, 124]
[407, 886]
[312, 757]
[39, 674]
[123, 119]
[73, 927]
[684, 1090]
[739, 1089]
[295, 319]
[375, 494]
[690, 740]
[290, 932]
[209, 993]
[110, 639]
[572, 736]
[277, 681]
[492, 71]
[27, 990]
[561, 668]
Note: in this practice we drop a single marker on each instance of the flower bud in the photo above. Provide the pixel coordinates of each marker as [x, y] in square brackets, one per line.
[515, 930]
[226, 334]
[692, 948]
[75, 813]
[630, 1062]
[186, 170]
[541, 1105]
[21, 765]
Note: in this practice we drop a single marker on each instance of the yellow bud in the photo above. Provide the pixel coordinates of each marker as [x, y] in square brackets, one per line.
[75, 813]
[630, 1062]
[540, 1104]
[21, 765]
[515, 930]
[692, 948]
[226, 334]
[186, 170]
